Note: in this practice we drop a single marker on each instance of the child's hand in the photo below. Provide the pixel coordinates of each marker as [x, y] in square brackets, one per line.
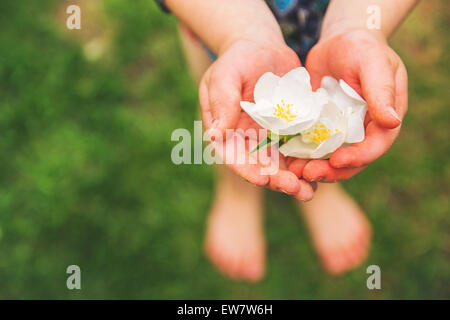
[365, 61]
[231, 79]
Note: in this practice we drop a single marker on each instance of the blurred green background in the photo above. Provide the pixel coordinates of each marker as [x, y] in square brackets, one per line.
[86, 178]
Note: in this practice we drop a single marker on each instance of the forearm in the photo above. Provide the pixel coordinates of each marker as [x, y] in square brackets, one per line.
[218, 23]
[351, 14]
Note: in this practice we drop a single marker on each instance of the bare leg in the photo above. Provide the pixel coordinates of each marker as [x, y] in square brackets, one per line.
[234, 237]
[339, 229]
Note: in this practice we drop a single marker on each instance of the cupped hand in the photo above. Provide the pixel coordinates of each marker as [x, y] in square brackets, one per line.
[364, 60]
[231, 79]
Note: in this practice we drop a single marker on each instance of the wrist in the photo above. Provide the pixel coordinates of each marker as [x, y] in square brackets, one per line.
[334, 28]
[265, 36]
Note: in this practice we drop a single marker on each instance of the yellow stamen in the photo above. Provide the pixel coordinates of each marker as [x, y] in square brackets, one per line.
[283, 112]
[319, 134]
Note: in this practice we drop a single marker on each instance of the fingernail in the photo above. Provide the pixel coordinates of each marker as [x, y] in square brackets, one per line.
[284, 191]
[341, 165]
[394, 113]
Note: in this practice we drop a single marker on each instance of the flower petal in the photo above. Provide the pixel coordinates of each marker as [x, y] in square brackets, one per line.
[298, 75]
[262, 113]
[328, 146]
[301, 99]
[340, 97]
[254, 111]
[321, 96]
[295, 147]
[334, 118]
[355, 126]
[350, 91]
[331, 111]
[297, 127]
[265, 87]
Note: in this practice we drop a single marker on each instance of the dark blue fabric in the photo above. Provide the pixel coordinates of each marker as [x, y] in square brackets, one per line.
[300, 21]
[162, 5]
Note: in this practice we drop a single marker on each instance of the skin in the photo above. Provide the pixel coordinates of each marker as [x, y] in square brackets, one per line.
[346, 50]
[375, 71]
[248, 43]
[231, 78]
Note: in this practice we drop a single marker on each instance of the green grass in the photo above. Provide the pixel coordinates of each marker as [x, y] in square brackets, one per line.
[86, 176]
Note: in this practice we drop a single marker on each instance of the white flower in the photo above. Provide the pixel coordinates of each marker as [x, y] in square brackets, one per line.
[341, 121]
[286, 105]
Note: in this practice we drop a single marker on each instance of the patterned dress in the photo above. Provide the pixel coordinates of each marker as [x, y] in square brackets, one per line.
[300, 22]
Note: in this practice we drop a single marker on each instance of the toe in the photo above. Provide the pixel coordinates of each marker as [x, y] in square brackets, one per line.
[354, 255]
[332, 260]
[306, 192]
[254, 268]
[233, 267]
[336, 264]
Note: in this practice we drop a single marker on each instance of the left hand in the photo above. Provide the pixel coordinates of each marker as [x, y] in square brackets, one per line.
[231, 79]
[364, 60]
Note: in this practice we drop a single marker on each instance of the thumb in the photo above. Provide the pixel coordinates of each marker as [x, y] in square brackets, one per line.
[377, 77]
[220, 99]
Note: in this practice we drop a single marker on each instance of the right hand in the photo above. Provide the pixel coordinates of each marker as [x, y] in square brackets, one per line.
[364, 60]
[231, 79]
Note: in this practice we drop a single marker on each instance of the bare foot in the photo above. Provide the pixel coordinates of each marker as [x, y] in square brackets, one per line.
[234, 238]
[339, 229]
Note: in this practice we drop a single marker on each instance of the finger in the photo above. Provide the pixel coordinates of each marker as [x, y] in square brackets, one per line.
[378, 140]
[376, 143]
[224, 96]
[401, 86]
[280, 178]
[306, 191]
[251, 173]
[289, 160]
[284, 181]
[248, 171]
[377, 78]
[322, 171]
[204, 102]
[227, 152]
[296, 166]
